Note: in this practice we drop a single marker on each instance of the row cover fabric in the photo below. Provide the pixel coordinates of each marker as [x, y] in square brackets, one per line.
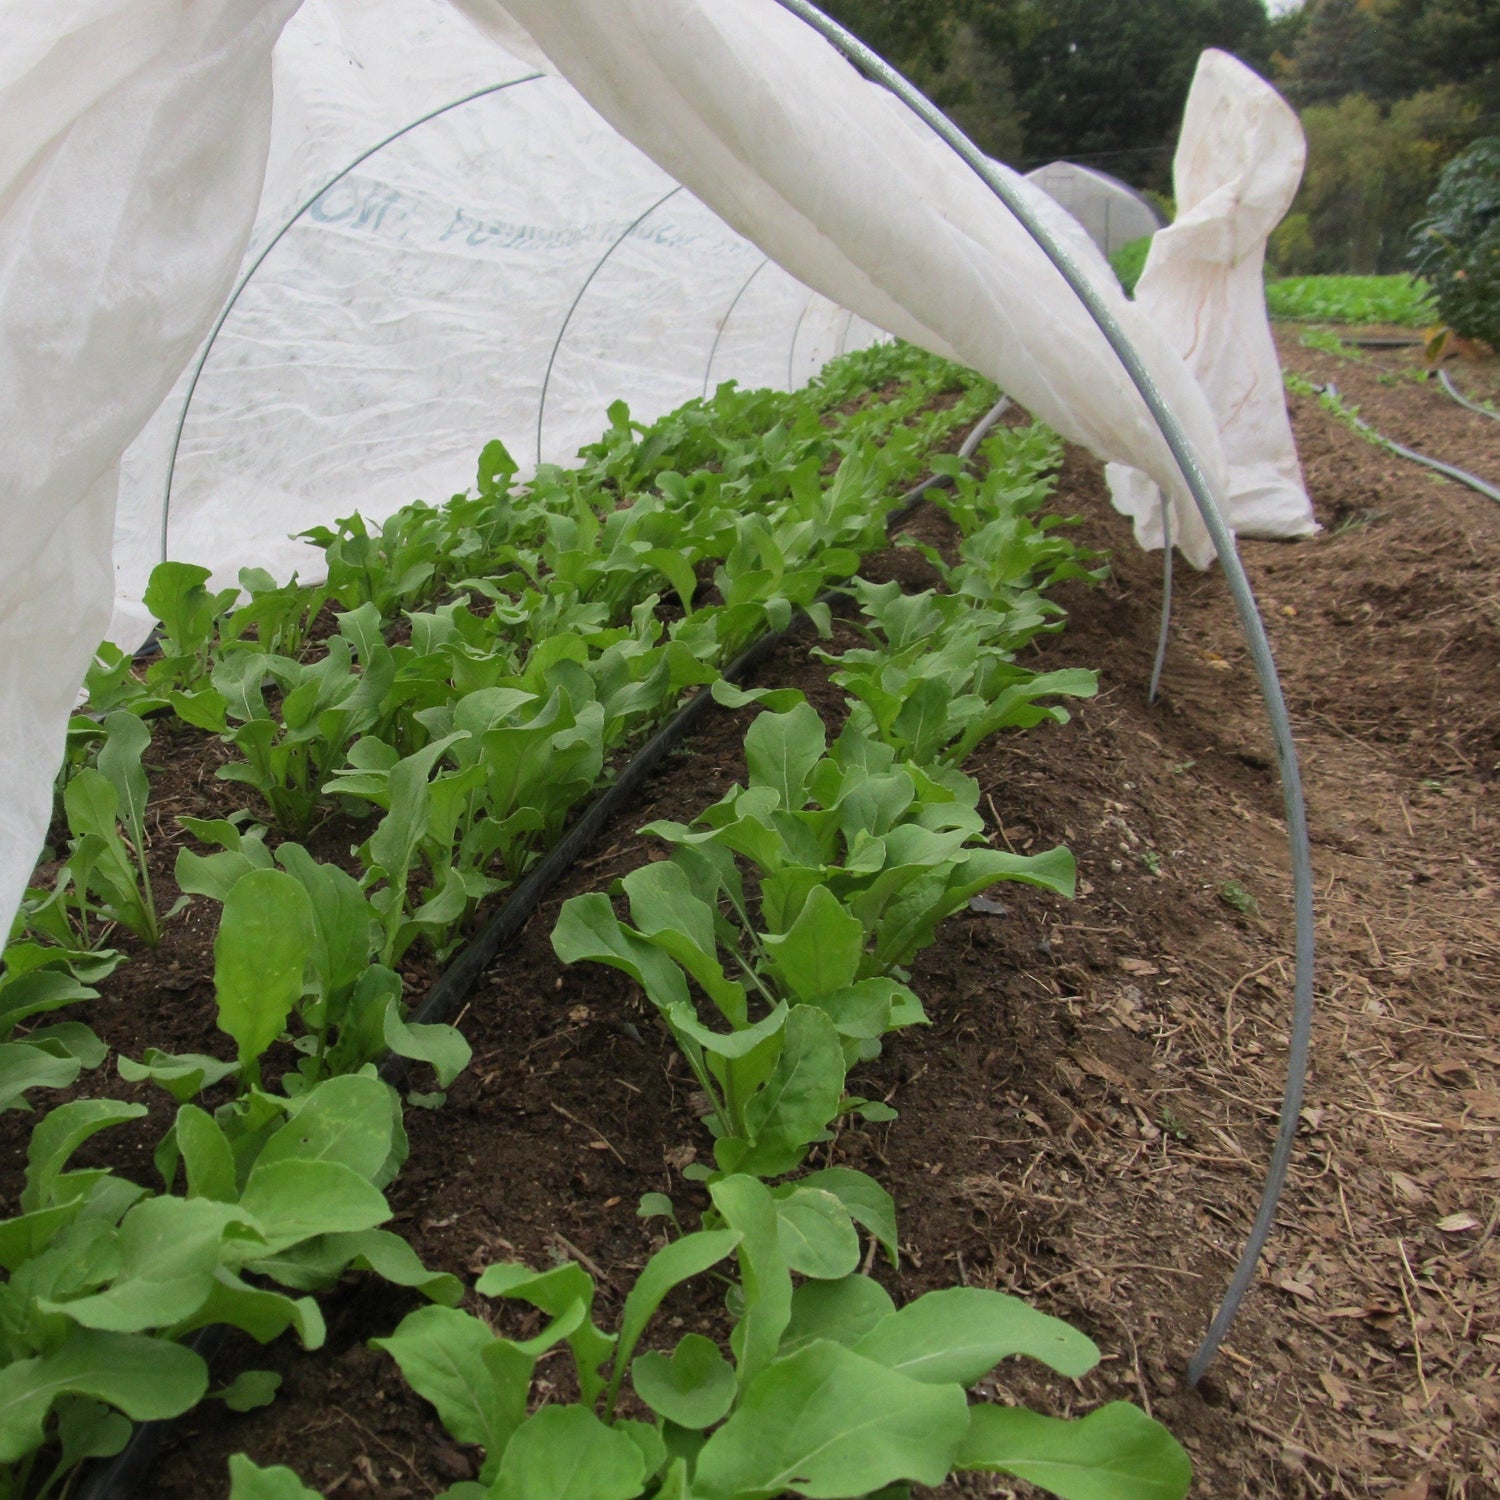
[134, 141]
[1236, 171]
[135, 153]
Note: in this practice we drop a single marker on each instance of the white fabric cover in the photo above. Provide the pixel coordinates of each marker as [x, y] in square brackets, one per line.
[1236, 172]
[131, 164]
[1112, 211]
[133, 138]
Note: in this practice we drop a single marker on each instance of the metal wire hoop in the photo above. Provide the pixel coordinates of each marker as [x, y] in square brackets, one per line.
[876, 68]
[708, 369]
[275, 240]
[588, 281]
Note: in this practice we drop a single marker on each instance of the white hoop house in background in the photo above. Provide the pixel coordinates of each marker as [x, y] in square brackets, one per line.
[1111, 211]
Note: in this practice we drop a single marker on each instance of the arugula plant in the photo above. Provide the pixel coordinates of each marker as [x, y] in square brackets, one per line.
[856, 858]
[322, 706]
[104, 1279]
[615, 558]
[198, 629]
[420, 550]
[592, 686]
[106, 877]
[513, 783]
[869, 397]
[1018, 474]
[782, 562]
[275, 618]
[1009, 553]
[38, 979]
[285, 1188]
[394, 566]
[299, 941]
[451, 652]
[562, 556]
[503, 765]
[112, 681]
[939, 675]
[827, 1389]
[189, 614]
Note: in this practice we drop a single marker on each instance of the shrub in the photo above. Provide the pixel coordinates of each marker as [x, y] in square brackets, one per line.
[1291, 250]
[1457, 246]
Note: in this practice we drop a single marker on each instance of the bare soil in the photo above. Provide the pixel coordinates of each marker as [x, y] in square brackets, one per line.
[1086, 1121]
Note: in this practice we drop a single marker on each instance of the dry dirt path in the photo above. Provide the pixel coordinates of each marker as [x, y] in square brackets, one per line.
[1142, 1052]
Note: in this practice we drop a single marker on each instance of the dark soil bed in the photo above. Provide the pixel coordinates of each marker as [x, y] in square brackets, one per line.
[1087, 1119]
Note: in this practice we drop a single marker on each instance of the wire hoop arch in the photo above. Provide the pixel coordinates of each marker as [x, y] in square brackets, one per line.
[588, 281]
[1172, 432]
[708, 369]
[791, 348]
[271, 244]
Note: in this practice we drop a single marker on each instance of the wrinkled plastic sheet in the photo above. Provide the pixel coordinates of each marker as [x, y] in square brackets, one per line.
[135, 139]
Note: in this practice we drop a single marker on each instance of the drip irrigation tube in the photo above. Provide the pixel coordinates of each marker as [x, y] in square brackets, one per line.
[1446, 380]
[874, 66]
[970, 445]
[1463, 476]
[117, 1478]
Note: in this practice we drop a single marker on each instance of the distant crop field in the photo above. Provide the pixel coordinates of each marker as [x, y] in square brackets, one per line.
[1404, 300]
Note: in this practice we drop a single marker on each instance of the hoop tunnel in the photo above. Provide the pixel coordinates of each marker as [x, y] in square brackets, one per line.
[588, 333]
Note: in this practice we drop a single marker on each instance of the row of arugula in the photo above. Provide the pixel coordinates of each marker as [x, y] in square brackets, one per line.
[463, 679]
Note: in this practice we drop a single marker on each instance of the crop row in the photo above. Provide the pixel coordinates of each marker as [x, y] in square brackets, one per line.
[473, 665]
[773, 942]
[438, 608]
[464, 678]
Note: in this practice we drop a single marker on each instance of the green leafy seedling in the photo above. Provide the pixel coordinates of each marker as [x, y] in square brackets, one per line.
[825, 1389]
[1233, 893]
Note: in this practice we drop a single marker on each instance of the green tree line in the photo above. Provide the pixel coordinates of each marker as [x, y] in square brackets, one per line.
[1388, 91]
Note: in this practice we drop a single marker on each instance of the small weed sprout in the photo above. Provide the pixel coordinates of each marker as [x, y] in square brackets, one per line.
[1233, 893]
